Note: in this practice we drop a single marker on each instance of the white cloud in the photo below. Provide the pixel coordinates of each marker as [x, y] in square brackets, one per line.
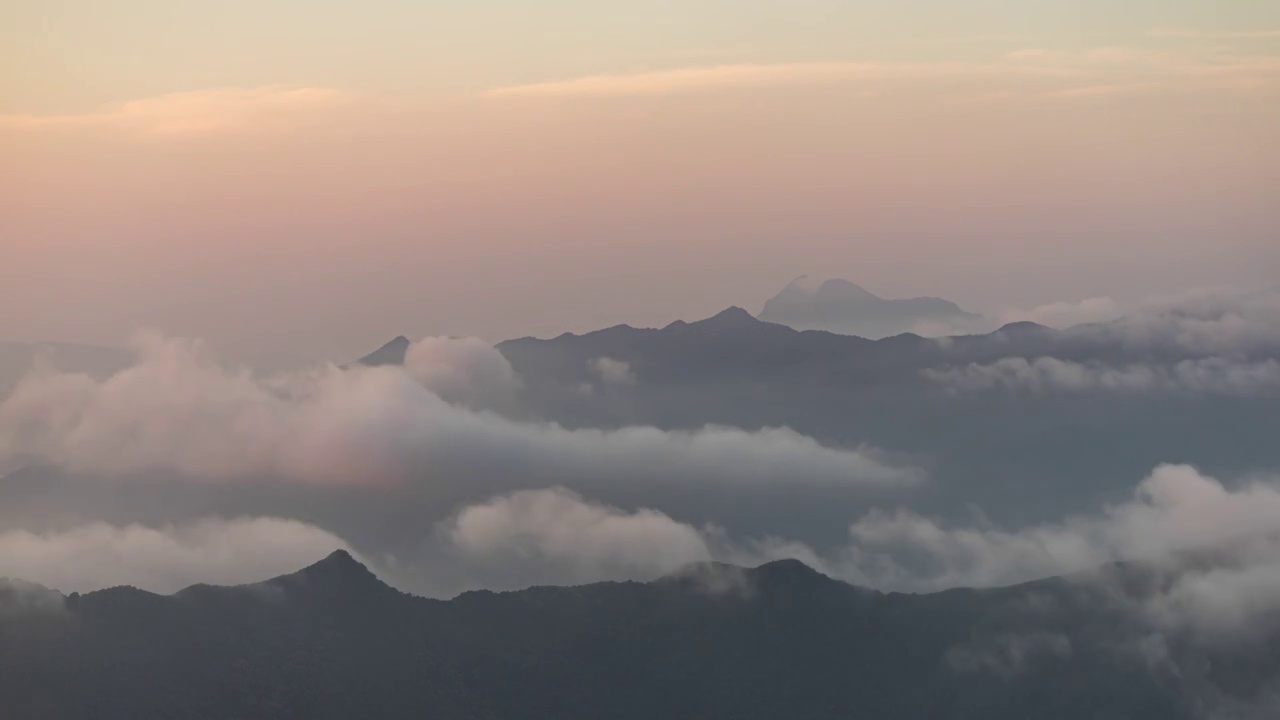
[176, 409]
[1209, 321]
[1176, 519]
[556, 535]
[613, 372]
[1206, 320]
[1217, 376]
[466, 371]
[164, 559]
[1066, 314]
[576, 539]
[1201, 321]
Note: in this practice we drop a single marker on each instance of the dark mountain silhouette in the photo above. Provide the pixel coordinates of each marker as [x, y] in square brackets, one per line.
[732, 343]
[842, 307]
[713, 641]
[390, 354]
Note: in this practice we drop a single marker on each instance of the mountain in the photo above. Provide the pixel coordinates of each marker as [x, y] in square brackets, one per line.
[1016, 452]
[733, 342]
[713, 641]
[840, 306]
[390, 354]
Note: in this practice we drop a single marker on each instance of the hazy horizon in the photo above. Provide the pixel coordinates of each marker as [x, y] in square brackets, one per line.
[1022, 462]
[293, 182]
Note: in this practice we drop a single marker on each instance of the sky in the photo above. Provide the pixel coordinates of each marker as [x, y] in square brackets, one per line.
[296, 180]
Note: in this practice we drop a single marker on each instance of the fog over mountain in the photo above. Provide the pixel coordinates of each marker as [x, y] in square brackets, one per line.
[840, 306]
[456, 465]
[438, 360]
[448, 465]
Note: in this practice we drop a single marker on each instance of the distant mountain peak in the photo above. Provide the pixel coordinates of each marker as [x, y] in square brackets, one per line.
[787, 570]
[805, 283]
[843, 307]
[778, 575]
[730, 319]
[338, 573]
[391, 353]
[1022, 326]
[732, 315]
[837, 286]
[809, 286]
[338, 561]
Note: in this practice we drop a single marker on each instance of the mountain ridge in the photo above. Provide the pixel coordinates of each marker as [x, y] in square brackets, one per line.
[793, 642]
[341, 566]
[391, 353]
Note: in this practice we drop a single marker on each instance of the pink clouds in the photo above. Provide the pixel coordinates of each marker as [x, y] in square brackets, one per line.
[197, 112]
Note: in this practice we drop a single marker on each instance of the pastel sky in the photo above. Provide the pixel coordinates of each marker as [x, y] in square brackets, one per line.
[292, 180]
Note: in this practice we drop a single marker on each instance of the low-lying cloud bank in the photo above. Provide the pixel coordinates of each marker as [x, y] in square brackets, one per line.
[464, 371]
[1204, 322]
[428, 463]
[558, 536]
[571, 537]
[178, 410]
[1201, 321]
[1202, 342]
[1065, 314]
[1221, 547]
[1217, 547]
[164, 559]
[1174, 510]
[1229, 323]
[1208, 376]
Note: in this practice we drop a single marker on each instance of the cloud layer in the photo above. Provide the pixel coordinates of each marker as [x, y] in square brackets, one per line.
[429, 470]
[613, 372]
[417, 467]
[464, 371]
[1219, 544]
[163, 559]
[1057, 74]
[570, 539]
[178, 410]
[1047, 374]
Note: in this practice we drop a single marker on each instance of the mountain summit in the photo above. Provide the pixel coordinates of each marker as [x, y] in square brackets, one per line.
[339, 568]
[842, 307]
[390, 354]
[733, 315]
